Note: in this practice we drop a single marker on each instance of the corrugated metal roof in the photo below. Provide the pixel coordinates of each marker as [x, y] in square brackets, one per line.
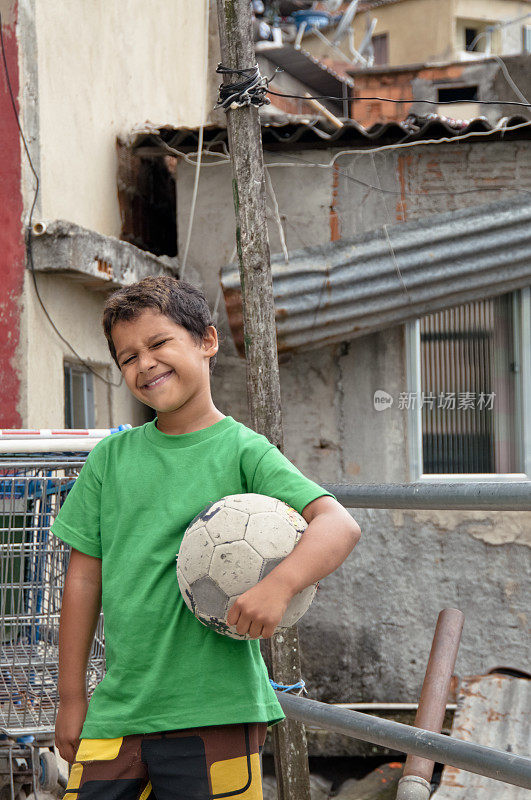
[352, 287]
[492, 710]
[280, 131]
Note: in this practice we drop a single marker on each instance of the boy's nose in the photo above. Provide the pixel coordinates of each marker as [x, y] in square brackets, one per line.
[146, 361]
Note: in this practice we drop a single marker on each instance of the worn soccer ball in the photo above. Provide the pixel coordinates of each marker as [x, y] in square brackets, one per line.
[230, 546]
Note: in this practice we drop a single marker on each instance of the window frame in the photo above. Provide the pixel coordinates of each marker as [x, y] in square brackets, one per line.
[89, 398]
[522, 353]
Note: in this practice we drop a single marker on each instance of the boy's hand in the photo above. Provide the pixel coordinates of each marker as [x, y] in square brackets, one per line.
[70, 718]
[258, 611]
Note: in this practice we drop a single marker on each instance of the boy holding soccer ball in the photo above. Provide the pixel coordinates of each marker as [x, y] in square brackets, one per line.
[182, 711]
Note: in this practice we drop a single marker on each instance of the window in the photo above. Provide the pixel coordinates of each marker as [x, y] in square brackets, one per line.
[452, 93]
[471, 35]
[380, 44]
[526, 39]
[469, 370]
[79, 397]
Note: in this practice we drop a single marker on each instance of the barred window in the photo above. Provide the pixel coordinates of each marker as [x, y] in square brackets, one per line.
[471, 375]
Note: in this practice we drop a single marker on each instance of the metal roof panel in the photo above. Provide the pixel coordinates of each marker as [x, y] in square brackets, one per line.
[385, 277]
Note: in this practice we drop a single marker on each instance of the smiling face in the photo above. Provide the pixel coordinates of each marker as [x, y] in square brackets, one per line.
[163, 365]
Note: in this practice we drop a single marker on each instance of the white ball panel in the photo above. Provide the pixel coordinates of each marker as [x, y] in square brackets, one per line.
[206, 514]
[270, 534]
[235, 567]
[227, 525]
[298, 606]
[195, 554]
[185, 589]
[251, 503]
[293, 518]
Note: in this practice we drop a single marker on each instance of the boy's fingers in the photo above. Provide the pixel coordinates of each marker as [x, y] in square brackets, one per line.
[243, 625]
[233, 615]
[255, 630]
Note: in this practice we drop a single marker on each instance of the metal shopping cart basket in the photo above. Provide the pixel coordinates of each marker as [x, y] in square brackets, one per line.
[33, 563]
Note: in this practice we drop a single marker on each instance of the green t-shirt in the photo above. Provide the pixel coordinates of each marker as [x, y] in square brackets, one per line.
[134, 498]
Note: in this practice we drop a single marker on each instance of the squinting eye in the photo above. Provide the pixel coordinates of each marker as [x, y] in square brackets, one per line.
[158, 344]
[127, 361]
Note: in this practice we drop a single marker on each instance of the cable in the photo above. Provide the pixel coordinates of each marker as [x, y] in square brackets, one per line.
[509, 80]
[305, 162]
[399, 145]
[199, 147]
[402, 99]
[225, 159]
[30, 219]
[250, 91]
[254, 87]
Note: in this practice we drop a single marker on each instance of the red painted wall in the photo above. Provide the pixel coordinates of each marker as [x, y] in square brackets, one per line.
[12, 250]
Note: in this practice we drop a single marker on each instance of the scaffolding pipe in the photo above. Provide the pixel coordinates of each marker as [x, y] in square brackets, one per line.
[469, 496]
[487, 761]
[415, 782]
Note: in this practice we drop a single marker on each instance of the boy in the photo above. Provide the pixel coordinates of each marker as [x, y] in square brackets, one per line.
[182, 711]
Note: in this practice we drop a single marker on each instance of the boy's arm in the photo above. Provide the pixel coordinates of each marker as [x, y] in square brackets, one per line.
[329, 538]
[80, 611]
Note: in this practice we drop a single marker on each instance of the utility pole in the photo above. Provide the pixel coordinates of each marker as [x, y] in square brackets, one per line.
[263, 383]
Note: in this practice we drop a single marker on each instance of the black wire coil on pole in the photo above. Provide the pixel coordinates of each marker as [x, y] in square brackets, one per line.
[252, 90]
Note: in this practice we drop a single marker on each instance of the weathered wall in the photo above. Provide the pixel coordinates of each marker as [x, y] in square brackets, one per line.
[367, 636]
[79, 311]
[428, 31]
[12, 241]
[414, 84]
[91, 72]
[104, 69]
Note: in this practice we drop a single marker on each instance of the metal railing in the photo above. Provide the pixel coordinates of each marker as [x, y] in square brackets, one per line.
[469, 496]
[490, 762]
[477, 758]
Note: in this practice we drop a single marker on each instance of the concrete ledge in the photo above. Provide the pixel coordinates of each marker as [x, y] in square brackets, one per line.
[99, 262]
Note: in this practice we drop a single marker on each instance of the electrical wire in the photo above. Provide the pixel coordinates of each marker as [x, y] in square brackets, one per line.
[254, 86]
[503, 128]
[379, 188]
[29, 229]
[199, 147]
[302, 162]
[401, 99]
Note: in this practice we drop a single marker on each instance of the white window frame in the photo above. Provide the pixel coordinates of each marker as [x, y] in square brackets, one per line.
[522, 353]
[89, 404]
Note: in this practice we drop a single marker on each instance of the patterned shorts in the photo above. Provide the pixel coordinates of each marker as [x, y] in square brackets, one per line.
[192, 764]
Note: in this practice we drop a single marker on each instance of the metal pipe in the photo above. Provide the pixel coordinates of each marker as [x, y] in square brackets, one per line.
[476, 758]
[489, 495]
[432, 703]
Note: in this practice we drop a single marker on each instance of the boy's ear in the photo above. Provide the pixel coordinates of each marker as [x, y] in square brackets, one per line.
[210, 341]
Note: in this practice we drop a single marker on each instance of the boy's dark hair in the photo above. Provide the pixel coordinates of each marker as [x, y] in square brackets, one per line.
[180, 301]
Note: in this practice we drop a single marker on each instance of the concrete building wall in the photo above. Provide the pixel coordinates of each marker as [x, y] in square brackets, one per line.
[106, 68]
[92, 72]
[367, 635]
[11, 238]
[424, 31]
[78, 311]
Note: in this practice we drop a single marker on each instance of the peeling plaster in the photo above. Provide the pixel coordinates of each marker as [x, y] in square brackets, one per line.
[492, 527]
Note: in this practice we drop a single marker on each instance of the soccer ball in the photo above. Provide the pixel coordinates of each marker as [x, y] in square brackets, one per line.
[231, 545]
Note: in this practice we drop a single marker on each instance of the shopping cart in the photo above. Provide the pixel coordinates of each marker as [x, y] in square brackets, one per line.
[33, 565]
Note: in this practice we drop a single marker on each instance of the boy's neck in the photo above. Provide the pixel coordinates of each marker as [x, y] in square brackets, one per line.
[182, 421]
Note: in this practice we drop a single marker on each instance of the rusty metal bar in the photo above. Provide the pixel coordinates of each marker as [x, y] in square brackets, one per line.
[415, 783]
[487, 495]
[488, 761]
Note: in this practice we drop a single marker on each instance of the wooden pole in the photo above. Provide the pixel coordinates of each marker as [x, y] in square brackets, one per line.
[263, 383]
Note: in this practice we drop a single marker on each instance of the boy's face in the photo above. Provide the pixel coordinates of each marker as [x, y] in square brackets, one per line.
[162, 364]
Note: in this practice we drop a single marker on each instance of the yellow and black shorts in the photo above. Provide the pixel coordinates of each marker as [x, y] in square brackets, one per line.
[192, 764]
